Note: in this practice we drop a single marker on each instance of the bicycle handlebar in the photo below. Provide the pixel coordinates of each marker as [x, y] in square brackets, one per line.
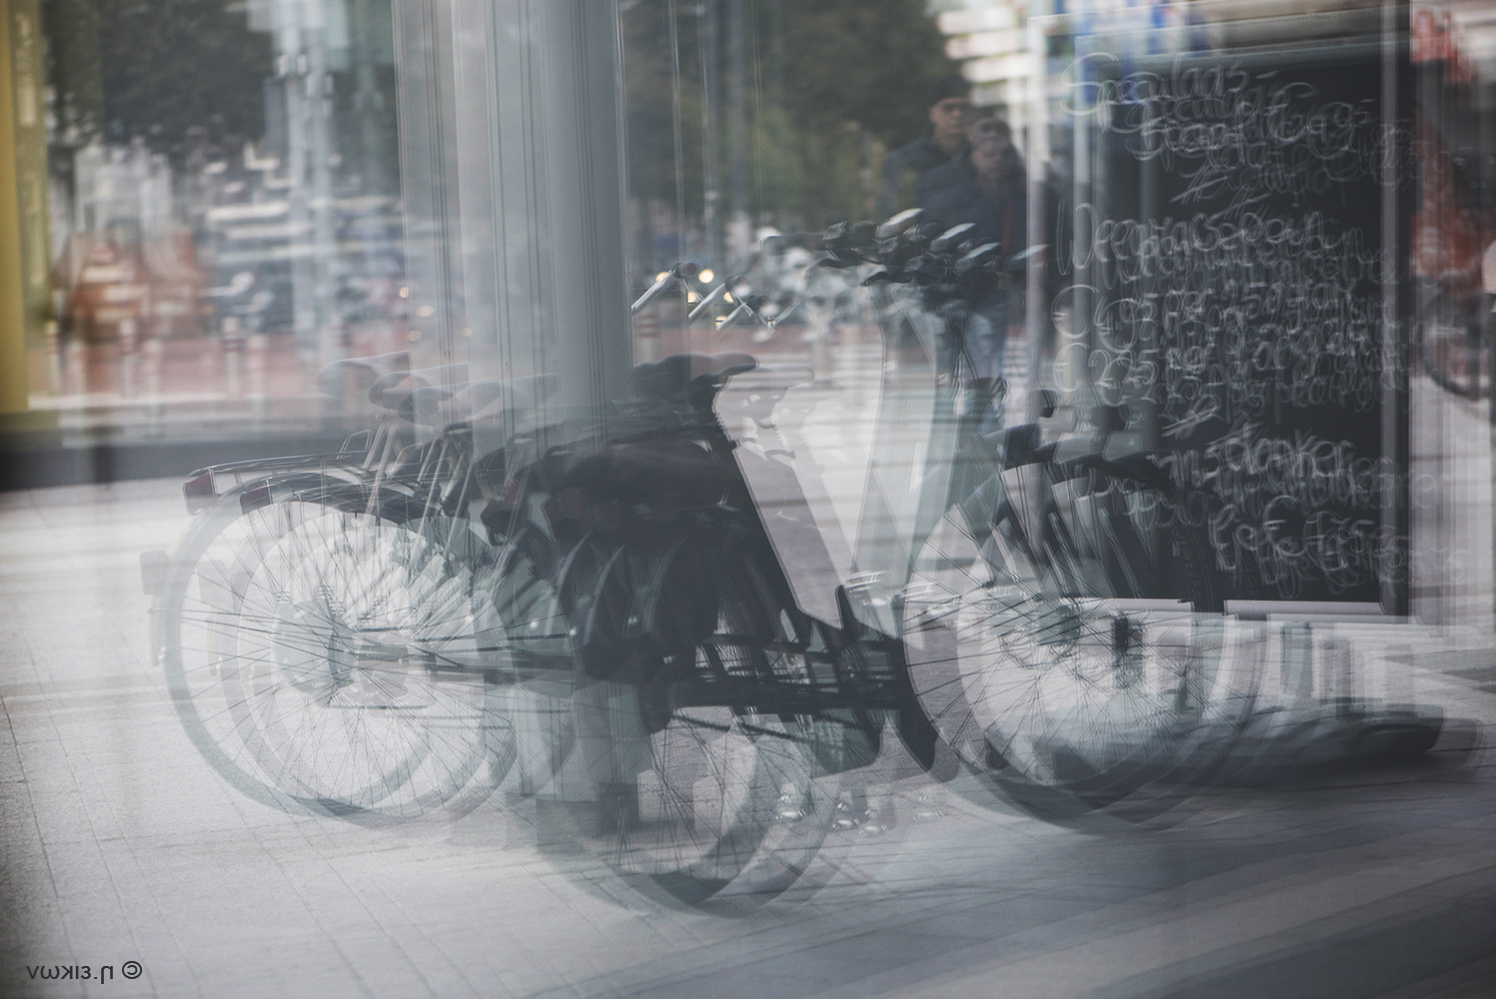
[676, 273]
[947, 262]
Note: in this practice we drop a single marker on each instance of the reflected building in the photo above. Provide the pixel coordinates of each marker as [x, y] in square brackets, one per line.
[262, 237]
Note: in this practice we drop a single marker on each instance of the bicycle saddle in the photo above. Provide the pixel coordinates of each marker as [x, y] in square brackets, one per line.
[363, 370]
[411, 392]
[672, 378]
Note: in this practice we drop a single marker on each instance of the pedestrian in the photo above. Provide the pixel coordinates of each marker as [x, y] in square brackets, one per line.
[986, 186]
[949, 112]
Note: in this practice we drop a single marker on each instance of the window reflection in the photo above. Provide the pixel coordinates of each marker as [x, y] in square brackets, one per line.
[224, 203]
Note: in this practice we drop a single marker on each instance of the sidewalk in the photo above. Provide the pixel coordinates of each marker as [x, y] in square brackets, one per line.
[123, 844]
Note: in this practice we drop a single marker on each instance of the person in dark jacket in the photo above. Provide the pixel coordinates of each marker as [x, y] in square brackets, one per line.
[950, 113]
[988, 187]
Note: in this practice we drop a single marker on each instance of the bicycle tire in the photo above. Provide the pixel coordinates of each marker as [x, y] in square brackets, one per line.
[1078, 661]
[265, 688]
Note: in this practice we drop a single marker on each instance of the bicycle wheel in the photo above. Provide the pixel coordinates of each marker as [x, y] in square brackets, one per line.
[321, 654]
[684, 789]
[1077, 662]
[525, 633]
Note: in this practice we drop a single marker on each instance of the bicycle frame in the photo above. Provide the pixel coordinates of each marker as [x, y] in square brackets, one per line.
[850, 669]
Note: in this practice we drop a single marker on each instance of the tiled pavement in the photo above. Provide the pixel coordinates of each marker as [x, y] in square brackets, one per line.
[118, 843]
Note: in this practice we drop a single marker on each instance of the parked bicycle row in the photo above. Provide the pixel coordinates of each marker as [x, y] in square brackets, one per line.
[601, 617]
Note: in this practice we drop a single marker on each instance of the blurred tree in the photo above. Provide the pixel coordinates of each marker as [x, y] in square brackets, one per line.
[864, 61]
[833, 85]
[652, 87]
[74, 68]
[157, 70]
[850, 78]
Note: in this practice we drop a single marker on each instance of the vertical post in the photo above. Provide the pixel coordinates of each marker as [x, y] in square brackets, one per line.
[291, 68]
[12, 285]
[153, 358]
[1082, 189]
[513, 184]
[711, 154]
[1338, 665]
[233, 358]
[319, 83]
[75, 367]
[429, 136]
[1394, 513]
[582, 110]
[256, 363]
[647, 336]
[740, 235]
[28, 75]
[1037, 150]
[1296, 664]
[302, 66]
[129, 358]
[55, 383]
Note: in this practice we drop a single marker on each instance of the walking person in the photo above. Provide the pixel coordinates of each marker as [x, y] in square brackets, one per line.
[949, 106]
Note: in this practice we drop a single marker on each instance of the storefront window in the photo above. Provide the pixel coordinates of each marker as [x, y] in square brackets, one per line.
[213, 210]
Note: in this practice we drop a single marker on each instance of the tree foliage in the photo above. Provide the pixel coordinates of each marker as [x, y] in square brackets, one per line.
[831, 86]
[157, 70]
[864, 61]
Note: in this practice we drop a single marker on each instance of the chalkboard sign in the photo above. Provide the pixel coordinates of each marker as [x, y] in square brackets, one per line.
[1227, 259]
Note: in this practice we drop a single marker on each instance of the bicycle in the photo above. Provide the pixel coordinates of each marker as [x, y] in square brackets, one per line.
[1081, 569]
[319, 594]
[617, 622]
[711, 715]
[1064, 631]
